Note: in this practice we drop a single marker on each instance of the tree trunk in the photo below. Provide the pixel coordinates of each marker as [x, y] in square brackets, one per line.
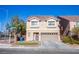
[9, 38]
[15, 38]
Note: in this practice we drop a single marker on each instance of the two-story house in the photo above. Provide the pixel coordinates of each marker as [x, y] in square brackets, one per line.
[41, 28]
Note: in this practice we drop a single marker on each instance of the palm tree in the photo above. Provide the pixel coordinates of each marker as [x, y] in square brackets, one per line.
[22, 27]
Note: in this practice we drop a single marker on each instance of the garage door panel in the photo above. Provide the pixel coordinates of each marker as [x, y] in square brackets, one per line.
[49, 36]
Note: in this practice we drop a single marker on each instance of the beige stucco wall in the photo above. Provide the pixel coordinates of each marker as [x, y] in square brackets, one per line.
[30, 33]
[43, 27]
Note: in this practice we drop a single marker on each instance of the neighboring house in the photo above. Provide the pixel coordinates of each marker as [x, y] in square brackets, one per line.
[41, 28]
[68, 23]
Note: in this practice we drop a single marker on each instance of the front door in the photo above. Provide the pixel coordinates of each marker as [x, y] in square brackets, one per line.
[36, 36]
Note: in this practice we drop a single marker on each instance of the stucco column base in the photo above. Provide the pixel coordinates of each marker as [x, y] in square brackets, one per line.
[27, 39]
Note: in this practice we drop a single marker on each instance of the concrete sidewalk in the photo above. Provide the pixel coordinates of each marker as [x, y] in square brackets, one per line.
[47, 45]
[5, 45]
[18, 46]
[33, 47]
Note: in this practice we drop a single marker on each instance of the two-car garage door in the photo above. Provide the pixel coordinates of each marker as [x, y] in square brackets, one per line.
[49, 36]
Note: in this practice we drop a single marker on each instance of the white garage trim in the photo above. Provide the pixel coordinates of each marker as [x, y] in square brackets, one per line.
[48, 36]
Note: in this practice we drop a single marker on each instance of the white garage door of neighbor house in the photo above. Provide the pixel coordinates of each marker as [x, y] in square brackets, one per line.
[49, 36]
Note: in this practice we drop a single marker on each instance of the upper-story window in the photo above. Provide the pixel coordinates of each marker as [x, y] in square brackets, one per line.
[77, 23]
[51, 23]
[34, 23]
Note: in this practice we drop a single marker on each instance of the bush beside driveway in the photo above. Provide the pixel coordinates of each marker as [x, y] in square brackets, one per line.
[70, 40]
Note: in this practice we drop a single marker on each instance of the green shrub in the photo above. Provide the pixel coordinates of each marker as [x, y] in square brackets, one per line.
[75, 41]
[67, 39]
[70, 40]
[32, 43]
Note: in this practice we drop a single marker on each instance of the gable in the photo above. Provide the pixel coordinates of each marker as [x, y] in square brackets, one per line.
[43, 18]
[51, 19]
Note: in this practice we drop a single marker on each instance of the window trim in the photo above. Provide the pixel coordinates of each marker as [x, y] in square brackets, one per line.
[51, 25]
[34, 25]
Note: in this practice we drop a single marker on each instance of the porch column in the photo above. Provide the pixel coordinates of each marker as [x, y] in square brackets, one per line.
[39, 36]
[59, 39]
[27, 37]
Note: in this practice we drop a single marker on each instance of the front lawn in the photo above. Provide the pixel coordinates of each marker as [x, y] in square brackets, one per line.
[28, 43]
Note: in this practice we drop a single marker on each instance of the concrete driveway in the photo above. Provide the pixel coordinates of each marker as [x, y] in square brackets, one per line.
[54, 45]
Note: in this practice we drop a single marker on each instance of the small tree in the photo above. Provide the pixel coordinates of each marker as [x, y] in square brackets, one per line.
[17, 26]
[76, 31]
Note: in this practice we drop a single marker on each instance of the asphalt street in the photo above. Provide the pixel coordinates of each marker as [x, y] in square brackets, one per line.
[37, 51]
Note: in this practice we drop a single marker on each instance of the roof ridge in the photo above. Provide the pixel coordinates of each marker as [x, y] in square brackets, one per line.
[42, 17]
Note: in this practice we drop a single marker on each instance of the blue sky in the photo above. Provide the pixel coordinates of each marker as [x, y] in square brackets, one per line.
[23, 11]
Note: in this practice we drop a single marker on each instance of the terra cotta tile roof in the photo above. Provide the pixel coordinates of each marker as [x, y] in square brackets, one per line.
[70, 18]
[42, 18]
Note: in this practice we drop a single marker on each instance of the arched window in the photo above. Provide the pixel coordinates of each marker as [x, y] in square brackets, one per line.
[34, 23]
[51, 23]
